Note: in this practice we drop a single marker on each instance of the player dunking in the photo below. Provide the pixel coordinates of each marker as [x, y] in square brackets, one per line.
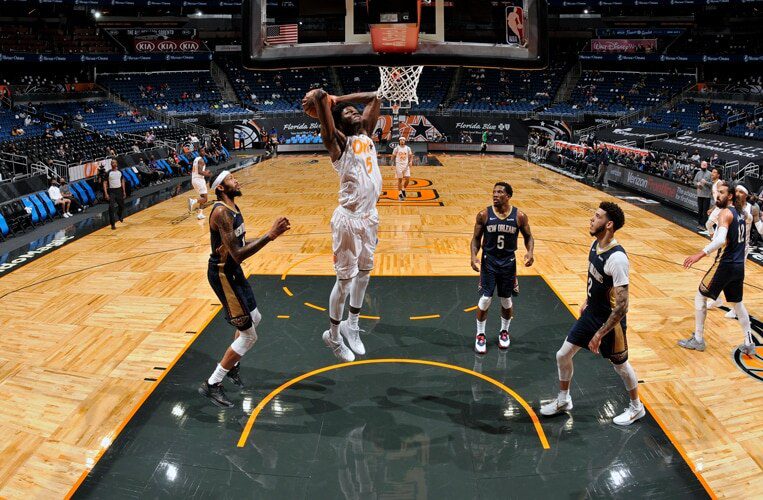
[403, 158]
[229, 249]
[355, 222]
[199, 174]
[496, 231]
[727, 272]
[601, 326]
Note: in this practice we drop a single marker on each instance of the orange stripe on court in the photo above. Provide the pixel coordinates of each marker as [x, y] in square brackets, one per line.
[262, 404]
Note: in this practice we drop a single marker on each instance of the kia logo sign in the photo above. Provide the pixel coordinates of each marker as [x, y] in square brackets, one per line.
[189, 46]
[167, 46]
[145, 46]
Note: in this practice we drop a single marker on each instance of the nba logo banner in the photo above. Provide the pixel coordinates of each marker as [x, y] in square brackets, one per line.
[515, 26]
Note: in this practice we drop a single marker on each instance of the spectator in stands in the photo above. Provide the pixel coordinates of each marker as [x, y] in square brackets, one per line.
[114, 192]
[17, 131]
[147, 176]
[150, 138]
[58, 200]
[703, 182]
[135, 148]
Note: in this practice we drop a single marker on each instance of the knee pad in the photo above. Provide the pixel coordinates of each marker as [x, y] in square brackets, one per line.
[245, 340]
[484, 303]
[506, 302]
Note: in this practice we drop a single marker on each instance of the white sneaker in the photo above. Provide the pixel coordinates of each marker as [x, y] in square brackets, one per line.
[480, 344]
[340, 350]
[65, 215]
[504, 340]
[200, 216]
[352, 336]
[555, 407]
[191, 203]
[747, 349]
[731, 314]
[630, 415]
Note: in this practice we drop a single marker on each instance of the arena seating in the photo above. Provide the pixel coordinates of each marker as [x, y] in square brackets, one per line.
[181, 92]
[609, 93]
[520, 91]
[53, 40]
[691, 115]
[274, 91]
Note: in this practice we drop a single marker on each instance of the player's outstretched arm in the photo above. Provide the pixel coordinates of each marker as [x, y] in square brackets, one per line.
[719, 239]
[222, 220]
[617, 314]
[479, 228]
[330, 136]
[524, 228]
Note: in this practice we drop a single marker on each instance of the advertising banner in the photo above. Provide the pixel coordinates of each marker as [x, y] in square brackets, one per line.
[632, 45]
[654, 187]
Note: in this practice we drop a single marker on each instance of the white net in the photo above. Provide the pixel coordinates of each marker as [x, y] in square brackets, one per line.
[398, 86]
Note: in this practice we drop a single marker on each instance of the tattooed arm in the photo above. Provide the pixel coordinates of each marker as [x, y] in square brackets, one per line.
[222, 220]
[617, 314]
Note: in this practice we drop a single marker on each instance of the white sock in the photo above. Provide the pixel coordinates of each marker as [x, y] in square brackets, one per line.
[193, 201]
[563, 395]
[334, 329]
[481, 327]
[353, 319]
[217, 376]
[505, 323]
[636, 403]
[744, 321]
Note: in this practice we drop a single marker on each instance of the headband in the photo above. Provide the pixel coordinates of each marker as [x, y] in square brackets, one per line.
[742, 188]
[220, 178]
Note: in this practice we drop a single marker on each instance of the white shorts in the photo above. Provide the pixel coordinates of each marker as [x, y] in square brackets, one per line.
[353, 241]
[402, 171]
[200, 185]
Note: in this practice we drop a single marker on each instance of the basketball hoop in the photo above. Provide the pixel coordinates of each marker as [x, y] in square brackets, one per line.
[398, 86]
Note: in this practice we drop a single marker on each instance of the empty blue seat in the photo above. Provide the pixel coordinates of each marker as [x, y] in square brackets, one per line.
[40, 206]
[84, 185]
[32, 208]
[4, 229]
[49, 205]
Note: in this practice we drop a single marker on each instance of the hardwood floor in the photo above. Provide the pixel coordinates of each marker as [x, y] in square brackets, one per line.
[84, 328]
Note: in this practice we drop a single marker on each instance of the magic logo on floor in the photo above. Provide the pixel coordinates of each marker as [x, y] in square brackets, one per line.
[419, 193]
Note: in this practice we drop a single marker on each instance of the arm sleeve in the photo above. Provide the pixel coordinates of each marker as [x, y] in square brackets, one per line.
[718, 240]
[618, 267]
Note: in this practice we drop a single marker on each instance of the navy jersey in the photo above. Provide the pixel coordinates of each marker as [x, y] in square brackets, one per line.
[215, 238]
[734, 251]
[499, 239]
[601, 297]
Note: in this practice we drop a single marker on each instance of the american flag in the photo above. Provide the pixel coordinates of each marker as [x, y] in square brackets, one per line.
[281, 33]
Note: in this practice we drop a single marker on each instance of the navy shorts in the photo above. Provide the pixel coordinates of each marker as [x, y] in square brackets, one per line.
[726, 278]
[614, 345]
[235, 293]
[502, 277]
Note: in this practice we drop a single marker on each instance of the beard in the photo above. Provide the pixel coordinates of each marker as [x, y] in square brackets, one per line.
[597, 232]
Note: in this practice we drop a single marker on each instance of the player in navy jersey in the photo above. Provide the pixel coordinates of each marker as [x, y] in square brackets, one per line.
[496, 232]
[230, 248]
[727, 272]
[601, 327]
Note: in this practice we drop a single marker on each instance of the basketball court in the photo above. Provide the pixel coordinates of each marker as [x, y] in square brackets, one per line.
[109, 375]
[115, 330]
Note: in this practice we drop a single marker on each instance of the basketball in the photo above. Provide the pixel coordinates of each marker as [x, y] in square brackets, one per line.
[309, 108]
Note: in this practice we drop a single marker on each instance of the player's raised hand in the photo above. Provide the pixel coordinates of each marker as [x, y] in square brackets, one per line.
[476, 264]
[280, 226]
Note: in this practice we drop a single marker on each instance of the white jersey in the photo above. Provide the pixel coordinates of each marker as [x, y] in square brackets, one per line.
[360, 180]
[199, 166]
[402, 155]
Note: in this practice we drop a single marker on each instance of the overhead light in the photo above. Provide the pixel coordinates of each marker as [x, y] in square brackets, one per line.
[97, 14]
[199, 13]
[585, 11]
